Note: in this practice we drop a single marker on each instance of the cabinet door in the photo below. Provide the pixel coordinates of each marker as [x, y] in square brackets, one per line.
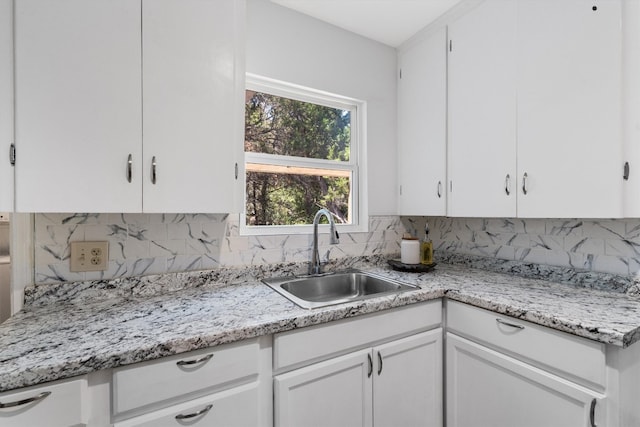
[334, 393]
[190, 103]
[6, 104]
[407, 385]
[631, 105]
[422, 126]
[482, 112]
[78, 105]
[569, 109]
[488, 389]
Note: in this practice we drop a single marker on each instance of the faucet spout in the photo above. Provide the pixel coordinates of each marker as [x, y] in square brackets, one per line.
[315, 268]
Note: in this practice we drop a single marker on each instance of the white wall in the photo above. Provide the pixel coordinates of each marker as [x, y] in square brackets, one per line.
[286, 45]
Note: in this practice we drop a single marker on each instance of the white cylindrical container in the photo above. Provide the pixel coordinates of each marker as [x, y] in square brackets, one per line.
[410, 250]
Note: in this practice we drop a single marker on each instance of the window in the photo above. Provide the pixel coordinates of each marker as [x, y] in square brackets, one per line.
[302, 151]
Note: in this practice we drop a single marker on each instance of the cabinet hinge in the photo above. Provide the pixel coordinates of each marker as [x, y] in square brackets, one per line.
[400, 73]
[12, 154]
[450, 45]
[236, 170]
[401, 190]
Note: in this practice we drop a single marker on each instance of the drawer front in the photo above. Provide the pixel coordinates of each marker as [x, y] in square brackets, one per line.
[301, 347]
[64, 406]
[576, 358]
[230, 408]
[197, 372]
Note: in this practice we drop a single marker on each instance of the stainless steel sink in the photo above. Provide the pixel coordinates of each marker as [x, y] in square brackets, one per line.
[336, 288]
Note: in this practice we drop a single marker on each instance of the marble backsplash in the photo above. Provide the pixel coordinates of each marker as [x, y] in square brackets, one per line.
[144, 244]
[608, 246]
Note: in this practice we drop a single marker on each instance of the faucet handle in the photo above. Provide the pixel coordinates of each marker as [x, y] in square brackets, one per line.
[335, 237]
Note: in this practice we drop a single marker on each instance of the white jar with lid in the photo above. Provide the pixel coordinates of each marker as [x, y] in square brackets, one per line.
[410, 250]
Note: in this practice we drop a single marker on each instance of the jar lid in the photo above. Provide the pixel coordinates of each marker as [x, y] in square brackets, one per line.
[408, 236]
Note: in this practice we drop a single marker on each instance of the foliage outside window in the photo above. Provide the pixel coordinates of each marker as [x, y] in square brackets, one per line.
[300, 156]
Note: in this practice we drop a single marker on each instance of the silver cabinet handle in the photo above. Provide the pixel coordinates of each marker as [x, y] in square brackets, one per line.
[154, 166]
[25, 401]
[194, 362]
[625, 171]
[439, 189]
[524, 183]
[370, 365]
[129, 167]
[592, 413]
[194, 414]
[379, 363]
[513, 325]
[507, 184]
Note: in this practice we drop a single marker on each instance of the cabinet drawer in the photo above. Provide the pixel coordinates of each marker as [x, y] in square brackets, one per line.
[64, 406]
[576, 358]
[308, 345]
[184, 375]
[235, 407]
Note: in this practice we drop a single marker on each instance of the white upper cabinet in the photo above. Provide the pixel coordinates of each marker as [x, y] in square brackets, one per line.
[6, 104]
[482, 112]
[631, 105]
[78, 105]
[535, 110]
[190, 94]
[82, 68]
[569, 108]
[422, 126]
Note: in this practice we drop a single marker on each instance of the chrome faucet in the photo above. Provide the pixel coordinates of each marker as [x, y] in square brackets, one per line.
[315, 268]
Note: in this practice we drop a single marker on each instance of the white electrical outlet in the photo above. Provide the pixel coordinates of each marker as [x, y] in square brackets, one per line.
[89, 256]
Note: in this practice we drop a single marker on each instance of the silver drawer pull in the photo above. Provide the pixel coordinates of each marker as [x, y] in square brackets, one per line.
[513, 325]
[195, 414]
[194, 362]
[25, 401]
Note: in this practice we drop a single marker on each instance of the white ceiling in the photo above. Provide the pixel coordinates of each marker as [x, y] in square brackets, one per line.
[388, 21]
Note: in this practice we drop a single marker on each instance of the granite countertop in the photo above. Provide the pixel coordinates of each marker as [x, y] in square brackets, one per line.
[61, 340]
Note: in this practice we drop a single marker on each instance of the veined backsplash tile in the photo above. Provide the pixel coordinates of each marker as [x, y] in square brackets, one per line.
[143, 244]
[607, 246]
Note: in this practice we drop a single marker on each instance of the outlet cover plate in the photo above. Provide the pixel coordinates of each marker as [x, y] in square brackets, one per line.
[89, 256]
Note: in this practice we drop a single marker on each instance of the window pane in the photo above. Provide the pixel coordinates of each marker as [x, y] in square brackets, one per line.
[283, 126]
[292, 199]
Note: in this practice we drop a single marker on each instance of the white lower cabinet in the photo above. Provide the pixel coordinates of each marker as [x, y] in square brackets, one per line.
[407, 383]
[502, 371]
[393, 379]
[56, 404]
[488, 388]
[227, 385]
[231, 408]
[336, 392]
[394, 384]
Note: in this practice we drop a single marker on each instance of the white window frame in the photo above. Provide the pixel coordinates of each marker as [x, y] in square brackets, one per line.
[356, 163]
